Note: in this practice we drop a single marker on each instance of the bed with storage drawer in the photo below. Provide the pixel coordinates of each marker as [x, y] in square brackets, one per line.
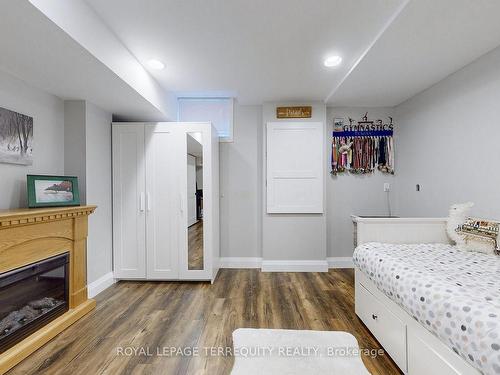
[435, 309]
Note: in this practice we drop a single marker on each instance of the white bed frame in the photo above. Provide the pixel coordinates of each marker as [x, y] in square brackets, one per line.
[412, 347]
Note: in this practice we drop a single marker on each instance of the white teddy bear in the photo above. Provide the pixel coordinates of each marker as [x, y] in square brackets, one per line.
[457, 216]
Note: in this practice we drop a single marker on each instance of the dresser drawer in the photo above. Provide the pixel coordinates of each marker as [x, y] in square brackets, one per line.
[389, 330]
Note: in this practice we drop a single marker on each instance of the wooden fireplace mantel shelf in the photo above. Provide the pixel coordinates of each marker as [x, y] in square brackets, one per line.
[31, 235]
[24, 216]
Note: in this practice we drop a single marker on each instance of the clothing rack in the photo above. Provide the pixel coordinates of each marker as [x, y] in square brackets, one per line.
[363, 151]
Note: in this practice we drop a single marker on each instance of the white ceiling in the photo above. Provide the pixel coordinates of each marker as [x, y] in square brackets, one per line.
[429, 40]
[263, 50]
[273, 50]
[35, 50]
[258, 50]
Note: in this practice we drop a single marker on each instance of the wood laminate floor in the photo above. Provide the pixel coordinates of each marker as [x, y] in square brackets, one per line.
[195, 246]
[153, 315]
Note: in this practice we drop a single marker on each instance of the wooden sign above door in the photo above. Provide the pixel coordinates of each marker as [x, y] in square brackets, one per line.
[294, 112]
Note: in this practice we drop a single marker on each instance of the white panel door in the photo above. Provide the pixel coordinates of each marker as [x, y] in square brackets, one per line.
[129, 223]
[191, 190]
[163, 201]
[295, 167]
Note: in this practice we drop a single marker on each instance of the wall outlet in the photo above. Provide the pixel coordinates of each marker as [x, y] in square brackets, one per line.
[387, 187]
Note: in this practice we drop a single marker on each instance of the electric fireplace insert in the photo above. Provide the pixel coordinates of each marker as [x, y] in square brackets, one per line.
[31, 297]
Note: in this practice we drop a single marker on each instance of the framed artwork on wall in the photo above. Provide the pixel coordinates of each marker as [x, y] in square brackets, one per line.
[52, 191]
[16, 138]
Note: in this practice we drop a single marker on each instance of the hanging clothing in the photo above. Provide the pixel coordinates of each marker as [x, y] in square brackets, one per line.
[362, 154]
[382, 152]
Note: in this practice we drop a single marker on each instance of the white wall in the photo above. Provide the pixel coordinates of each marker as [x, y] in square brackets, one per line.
[349, 194]
[98, 192]
[241, 185]
[449, 143]
[292, 236]
[88, 156]
[75, 153]
[242, 205]
[48, 131]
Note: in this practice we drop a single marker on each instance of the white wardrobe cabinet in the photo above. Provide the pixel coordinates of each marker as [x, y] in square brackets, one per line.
[155, 235]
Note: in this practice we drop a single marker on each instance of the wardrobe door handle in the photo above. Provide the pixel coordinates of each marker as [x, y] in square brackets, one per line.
[180, 204]
[141, 202]
[148, 201]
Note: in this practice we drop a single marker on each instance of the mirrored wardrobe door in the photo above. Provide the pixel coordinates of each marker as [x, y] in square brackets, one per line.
[194, 195]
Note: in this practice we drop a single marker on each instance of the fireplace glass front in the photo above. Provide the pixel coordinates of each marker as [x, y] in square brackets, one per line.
[31, 297]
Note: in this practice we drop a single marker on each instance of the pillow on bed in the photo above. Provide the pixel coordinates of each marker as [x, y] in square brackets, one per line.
[458, 214]
[479, 235]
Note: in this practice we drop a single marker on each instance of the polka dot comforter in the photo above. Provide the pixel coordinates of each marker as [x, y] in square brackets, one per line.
[453, 293]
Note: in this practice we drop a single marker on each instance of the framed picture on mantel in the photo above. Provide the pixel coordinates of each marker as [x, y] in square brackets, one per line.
[52, 191]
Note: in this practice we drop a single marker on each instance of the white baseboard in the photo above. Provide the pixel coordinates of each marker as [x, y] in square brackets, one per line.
[287, 265]
[294, 266]
[240, 262]
[340, 262]
[101, 284]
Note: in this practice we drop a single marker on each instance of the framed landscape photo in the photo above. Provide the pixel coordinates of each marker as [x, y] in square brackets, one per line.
[52, 191]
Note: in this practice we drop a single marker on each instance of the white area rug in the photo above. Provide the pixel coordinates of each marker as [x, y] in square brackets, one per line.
[290, 352]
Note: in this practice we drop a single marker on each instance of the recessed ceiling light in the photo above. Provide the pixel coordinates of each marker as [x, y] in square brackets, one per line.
[156, 64]
[332, 61]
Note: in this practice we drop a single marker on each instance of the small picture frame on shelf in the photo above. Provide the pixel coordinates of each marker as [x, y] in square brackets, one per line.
[338, 123]
[52, 191]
